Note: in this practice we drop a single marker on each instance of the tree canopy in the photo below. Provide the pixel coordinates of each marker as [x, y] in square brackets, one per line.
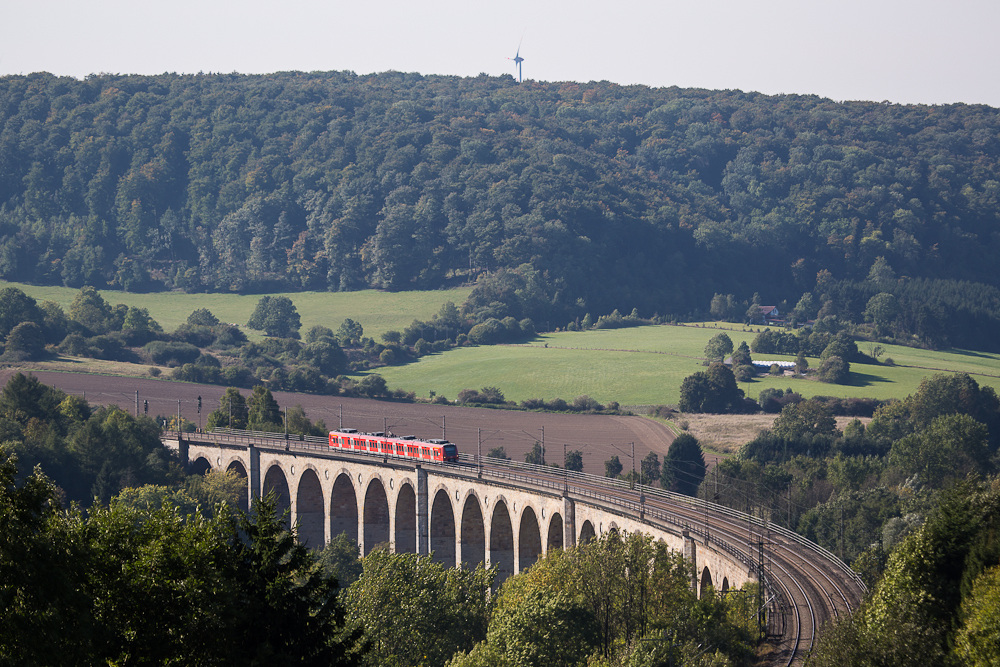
[566, 198]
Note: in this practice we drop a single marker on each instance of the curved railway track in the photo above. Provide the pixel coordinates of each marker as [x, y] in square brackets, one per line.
[805, 585]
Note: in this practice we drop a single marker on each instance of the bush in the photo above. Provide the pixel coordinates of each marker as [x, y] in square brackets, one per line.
[25, 341]
[200, 336]
[171, 353]
[586, 404]
[229, 336]
[489, 332]
[110, 347]
[557, 405]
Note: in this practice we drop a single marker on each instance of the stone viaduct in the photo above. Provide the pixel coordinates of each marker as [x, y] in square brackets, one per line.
[460, 514]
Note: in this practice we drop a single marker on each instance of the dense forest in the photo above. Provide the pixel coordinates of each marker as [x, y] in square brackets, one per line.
[598, 196]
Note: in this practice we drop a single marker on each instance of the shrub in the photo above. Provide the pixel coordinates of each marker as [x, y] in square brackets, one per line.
[586, 404]
[489, 332]
[557, 405]
[171, 353]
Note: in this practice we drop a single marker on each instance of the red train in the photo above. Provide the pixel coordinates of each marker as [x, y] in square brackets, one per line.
[406, 446]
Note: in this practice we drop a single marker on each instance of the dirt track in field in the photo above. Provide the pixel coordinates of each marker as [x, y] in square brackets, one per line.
[598, 436]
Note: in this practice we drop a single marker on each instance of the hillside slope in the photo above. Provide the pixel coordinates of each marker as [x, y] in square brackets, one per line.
[606, 196]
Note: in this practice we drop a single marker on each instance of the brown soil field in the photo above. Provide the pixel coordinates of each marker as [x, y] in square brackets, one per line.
[598, 436]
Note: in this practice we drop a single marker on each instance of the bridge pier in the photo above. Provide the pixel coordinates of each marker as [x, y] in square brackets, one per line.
[253, 475]
[569, 523]
[423, 525]
[691, 556]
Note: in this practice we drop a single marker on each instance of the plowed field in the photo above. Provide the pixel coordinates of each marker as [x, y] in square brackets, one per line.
[598, 436]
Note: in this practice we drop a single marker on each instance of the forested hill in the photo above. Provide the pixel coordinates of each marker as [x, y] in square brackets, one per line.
[619, 197]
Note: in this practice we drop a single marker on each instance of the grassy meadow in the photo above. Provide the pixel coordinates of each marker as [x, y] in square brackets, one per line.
[377, 312]
[635, 366]
[645, 366]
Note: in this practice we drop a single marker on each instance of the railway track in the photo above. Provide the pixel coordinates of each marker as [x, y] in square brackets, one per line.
[805, 585]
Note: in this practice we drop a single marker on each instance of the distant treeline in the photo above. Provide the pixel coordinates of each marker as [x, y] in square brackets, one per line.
[594, 196]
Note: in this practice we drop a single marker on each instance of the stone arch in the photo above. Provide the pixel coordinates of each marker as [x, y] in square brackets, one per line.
[236, 467]
[275, 481]
[725, 585]
[310, 510]
[501, 541]
[555, 536]
[344, 508]
[443, 529]
[200, 466]
[706, 581]
[473, 533]
[376, 515]
[529, 540]
[586, 532]
[613, 528]
[406, 519]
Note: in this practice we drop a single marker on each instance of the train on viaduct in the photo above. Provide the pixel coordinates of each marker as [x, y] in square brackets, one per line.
[509, 515]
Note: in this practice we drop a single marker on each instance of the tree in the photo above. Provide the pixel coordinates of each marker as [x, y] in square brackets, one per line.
[574, 460]
[650, 468]
[415, 611]
[805, 309]
[882, 310]
[139, 326]
[979, 636]
[834, 370]
[724, 308]
[950, 447]
[718, 347]
[326, 356]
[684, 466]
[536, 456]
[289, 609]
[805, 418]
[350, 333]
[202, 317]
[714, 390]
[340, 558]
[263, 412]
[498, 453]
[17, 307]
[276, 316]
[741, 357]
[373, 385]
[232, 411]
[91, 310]
[26, 341]
[613, 467]
[801, 364]
[41, 604]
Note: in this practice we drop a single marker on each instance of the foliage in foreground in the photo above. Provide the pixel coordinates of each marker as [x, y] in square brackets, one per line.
[123, 585]
[614, 600]
[937, 602]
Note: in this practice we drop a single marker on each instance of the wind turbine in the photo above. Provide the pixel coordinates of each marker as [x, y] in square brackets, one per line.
[518, 60]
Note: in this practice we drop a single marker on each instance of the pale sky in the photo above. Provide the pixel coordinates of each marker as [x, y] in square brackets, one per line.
[915, 51]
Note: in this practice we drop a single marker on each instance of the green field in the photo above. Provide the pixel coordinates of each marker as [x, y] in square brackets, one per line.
[637, 366]
[377, 312]
[645, 366]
